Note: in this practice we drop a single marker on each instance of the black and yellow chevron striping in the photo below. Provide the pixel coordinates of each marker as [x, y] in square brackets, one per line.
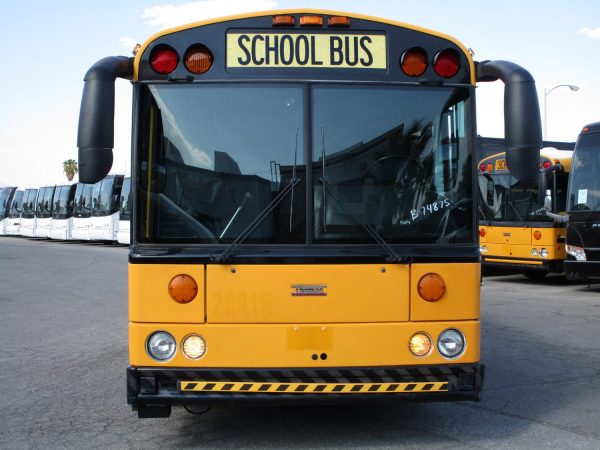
[312, 388]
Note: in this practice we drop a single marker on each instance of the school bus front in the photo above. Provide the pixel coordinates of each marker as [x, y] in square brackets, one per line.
[514, 230]
[304, 221]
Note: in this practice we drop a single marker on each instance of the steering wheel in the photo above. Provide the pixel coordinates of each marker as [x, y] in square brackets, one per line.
[400, 167]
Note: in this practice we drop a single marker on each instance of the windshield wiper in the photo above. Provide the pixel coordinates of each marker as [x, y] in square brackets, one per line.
[223, 257]
[393, 257]
[247, 196]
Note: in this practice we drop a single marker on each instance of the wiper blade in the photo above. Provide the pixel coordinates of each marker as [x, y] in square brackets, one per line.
[393, 257]
[223, 257]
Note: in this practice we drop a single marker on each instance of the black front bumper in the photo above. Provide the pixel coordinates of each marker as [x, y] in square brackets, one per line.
[521, 265]
[582, 270]
[153, 391]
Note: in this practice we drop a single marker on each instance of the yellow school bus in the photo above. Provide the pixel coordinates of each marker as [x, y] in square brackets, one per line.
[515, 232]
[304, 220]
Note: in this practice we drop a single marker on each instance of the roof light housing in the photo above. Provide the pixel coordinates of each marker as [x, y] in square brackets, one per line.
[338, 21]
[284, 20]
[311, 21]
[413, 62]
[164, 59]
[446, 63]
[198, 59]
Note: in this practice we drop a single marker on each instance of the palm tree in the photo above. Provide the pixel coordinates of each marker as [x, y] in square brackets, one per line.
[70, 168]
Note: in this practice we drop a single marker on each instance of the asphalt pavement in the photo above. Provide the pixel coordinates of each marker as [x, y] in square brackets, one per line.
[63, 354]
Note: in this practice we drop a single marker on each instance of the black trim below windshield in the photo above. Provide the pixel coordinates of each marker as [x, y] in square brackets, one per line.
[346, 254]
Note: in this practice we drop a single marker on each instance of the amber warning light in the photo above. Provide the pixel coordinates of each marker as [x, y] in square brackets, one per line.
[183, 288]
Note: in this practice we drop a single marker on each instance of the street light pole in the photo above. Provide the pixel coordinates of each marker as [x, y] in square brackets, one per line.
[546, 92]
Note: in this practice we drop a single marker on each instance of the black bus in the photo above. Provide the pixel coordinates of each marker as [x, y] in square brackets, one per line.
[583, 207]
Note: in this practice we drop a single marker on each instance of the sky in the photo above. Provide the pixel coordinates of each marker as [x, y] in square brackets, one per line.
[47, 47]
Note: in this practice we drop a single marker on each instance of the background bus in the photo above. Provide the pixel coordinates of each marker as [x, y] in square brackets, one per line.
[62, 212]
[304, 221]
[28, 219]
[514, 231]
[583, 208]
[6, 196]
[123, 235]
[13, 219]
[104, 222]
[43, 211]
[82, 212]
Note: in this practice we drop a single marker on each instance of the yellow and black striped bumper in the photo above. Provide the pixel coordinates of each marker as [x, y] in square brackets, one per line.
[158, 386]
[313, 388]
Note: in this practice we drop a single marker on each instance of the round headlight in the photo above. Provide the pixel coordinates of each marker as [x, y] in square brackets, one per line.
[484, 249]
[544, 252]
[534, 252]
[451, 343]
[193, 346]
[420, 344]
[161, 346]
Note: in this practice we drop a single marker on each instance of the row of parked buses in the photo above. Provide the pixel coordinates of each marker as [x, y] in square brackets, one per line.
[551, 226]
[78, 211]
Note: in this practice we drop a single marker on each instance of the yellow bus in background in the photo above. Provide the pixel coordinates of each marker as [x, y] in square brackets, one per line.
[514, 231]
[304, 220]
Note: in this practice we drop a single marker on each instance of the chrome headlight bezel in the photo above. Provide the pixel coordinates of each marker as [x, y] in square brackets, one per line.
[154, 341]
[455, 337]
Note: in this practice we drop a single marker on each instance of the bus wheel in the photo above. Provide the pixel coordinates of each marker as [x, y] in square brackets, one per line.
[535, 274]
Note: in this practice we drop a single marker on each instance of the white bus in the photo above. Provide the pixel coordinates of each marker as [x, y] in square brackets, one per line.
[6, 195]
[105, 208]
[82, 212]
[123, 235]
[28, 219]
[13, 218]
[43, 211]
[62, 213]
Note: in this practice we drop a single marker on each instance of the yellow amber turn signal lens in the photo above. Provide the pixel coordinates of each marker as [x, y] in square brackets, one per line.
[183, 288]
[431, 287]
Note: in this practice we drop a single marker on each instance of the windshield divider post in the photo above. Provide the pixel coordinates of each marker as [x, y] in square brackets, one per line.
[293, 177]
[323, 177]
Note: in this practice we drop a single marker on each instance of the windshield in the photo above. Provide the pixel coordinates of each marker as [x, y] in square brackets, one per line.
[103, 202]
[63, 202]
[4, 197]
[43, 209]
[125, 202]
[396, 159]
[29, 203]
[584, 186]
[15, 206]
[504, 198]
[83, 200]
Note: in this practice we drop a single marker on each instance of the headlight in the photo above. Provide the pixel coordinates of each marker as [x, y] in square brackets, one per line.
[420, 344]
[161, 346]
[577, 252]
[483, 249]
[193, 346]
[534, 252]
[544, 252]
[451, 343]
